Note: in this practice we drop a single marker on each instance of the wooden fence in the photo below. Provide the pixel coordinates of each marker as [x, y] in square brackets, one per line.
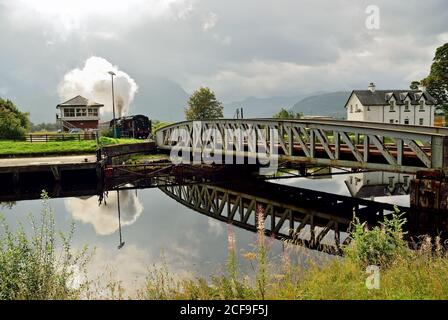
[51, 137]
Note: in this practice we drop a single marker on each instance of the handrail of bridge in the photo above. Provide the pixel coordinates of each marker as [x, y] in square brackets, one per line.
[428, 130]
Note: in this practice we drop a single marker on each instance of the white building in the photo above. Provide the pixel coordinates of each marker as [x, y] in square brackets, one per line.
[78, 112]
[378, 184]
[414, 107]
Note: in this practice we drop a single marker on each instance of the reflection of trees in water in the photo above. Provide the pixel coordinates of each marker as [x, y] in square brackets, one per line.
[7, 205]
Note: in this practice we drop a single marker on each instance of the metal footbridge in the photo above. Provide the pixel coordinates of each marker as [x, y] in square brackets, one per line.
[338, 143]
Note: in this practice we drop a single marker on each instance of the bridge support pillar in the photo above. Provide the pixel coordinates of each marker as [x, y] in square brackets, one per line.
[429, 191]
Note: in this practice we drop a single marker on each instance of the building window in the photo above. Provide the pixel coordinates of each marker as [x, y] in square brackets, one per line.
[406, 181]
[406, 106]
[368, 108]
[93, 112]
[391, 121]
[391, 182]
[70, 112]
[406, 121]
[420, 121]
[422, 105]
[81, 112]
[392, 106]
[351, 109]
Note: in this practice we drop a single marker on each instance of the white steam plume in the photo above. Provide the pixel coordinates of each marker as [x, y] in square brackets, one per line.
[94, 83]
[104, 218]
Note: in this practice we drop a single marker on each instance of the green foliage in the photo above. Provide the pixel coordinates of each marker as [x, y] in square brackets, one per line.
[40, 266]
[437, 80]
[8, 147]
[203, 105]
[285, 114]
[379, 245]
[107, 133]
[13, 123]
[414, 85]
[157, 124]
[108, 141]
[44, 127]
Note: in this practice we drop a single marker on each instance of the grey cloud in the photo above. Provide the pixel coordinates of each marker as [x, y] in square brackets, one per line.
[255, 48]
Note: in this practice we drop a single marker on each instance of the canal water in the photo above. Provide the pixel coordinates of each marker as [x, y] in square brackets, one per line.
[158, 230]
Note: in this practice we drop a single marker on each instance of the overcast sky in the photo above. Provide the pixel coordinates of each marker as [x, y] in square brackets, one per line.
[239, 48]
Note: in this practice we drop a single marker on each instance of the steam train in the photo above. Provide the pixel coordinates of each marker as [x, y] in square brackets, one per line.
[137, 126]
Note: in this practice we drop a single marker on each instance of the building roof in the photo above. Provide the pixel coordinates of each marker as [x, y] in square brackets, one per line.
[79, 101]
[383, 97]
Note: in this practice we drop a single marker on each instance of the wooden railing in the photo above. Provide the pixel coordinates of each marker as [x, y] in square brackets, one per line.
[56, 137]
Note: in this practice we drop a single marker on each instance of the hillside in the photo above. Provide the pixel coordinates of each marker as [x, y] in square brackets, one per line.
[260, 107]
[326, 104]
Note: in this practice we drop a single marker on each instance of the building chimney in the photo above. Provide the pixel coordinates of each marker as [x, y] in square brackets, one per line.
[421, 87]
[371, 87]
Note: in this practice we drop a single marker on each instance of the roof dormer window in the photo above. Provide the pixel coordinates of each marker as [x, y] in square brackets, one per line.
[422, 105]
[406, 106]
[392, 106]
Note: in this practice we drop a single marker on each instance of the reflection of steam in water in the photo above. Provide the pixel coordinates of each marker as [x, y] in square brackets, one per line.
[104, 217]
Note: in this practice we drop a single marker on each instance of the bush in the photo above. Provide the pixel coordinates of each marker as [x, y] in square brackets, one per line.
[107, 133]
[35, 267]
[379, 245]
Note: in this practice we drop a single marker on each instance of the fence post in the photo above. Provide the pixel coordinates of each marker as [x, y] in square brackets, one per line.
[79, 137]
[31, 138]
[46, 138]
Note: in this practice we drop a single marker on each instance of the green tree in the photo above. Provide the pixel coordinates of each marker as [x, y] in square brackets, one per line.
[44, 127]
[437, 80]
[203, 105]
[414, 85]
[13, 123]
[286, 114]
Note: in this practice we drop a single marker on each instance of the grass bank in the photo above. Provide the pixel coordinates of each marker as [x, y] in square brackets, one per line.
[43, 265]
[23, 148]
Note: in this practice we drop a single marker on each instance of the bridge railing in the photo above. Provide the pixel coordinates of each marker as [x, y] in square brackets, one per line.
[364, 145]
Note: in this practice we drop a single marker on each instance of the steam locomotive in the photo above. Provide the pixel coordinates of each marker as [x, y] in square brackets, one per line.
[137, 126]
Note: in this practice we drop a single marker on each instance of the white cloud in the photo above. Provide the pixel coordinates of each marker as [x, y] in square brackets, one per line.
[87, 16]
[210, 21]
[239, 48]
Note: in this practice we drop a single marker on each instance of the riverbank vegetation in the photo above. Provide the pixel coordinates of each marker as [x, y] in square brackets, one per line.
[14, 124]
[43, 265]
[24, 148]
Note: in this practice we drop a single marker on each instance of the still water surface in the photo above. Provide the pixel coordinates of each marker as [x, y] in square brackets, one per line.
[158, 229]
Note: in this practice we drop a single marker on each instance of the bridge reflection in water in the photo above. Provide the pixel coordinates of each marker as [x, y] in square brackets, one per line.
[316, 220]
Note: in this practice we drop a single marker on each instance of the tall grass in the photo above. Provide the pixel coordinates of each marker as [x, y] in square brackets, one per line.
[42, 265]
[404, 273]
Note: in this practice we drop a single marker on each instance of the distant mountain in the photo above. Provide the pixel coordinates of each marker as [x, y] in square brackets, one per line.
[160, 99]
[260, 107]
[326, 104]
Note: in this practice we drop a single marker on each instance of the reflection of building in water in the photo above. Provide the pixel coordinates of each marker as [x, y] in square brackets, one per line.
[377, 184]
